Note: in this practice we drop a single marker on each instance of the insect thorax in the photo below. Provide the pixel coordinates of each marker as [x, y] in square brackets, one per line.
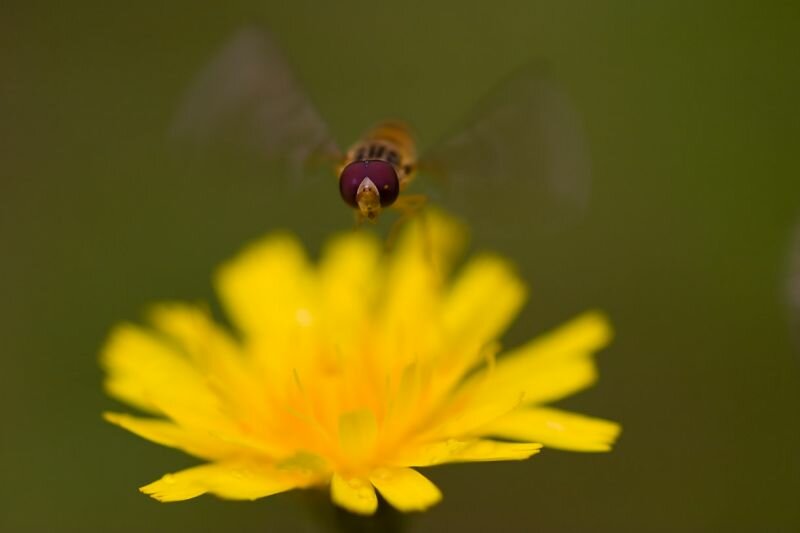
[390, 142]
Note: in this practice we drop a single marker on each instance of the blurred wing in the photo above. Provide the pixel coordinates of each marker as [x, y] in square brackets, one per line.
[519, 161]
[248, 94]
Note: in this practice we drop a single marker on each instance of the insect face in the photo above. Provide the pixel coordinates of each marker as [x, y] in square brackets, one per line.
[369, 186]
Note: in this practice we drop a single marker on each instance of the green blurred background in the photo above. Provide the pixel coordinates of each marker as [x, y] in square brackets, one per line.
[693, 120]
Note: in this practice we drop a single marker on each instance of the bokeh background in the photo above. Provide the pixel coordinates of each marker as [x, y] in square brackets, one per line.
[692, 115]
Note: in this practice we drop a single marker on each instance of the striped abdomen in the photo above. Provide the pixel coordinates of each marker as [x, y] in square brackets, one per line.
[388, 141]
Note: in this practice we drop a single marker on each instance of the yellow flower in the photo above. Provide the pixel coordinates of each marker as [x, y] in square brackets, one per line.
[351, 373]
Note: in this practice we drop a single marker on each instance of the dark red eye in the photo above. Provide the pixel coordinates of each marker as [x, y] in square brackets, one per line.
[381, 173]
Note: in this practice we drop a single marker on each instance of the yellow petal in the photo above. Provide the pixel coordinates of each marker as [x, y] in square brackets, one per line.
[357, 433]
[215, 354]
[265, 288]
[547, 368]
[557, 429]
[235, 481]
[405, 489]
[354, 494]
[467, 450]
[407, 319]
[433, 237]
[196, 442]
[481, 304]
[472, 410]
[351, 279]
[149, 373]
[205, 343]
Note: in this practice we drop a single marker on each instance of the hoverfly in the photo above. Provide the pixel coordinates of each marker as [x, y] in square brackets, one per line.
[519, 157]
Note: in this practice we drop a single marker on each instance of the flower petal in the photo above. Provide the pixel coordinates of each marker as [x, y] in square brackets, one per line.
[204, 342]
[556, 429]
[265, 287]
[467, 450]
[147, 372]
[235, 481]
[215, 354]
[357, 433]
[349, 283]
[547, 368]
[471, 410]
[195, 442]
[408, 318]
[354, 494]
[405, 489]
[433, 237]
[481, 304]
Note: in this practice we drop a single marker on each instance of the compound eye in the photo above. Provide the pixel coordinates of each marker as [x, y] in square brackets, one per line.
[381, 173]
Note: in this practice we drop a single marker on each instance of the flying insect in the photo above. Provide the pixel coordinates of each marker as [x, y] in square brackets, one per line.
[522, 143]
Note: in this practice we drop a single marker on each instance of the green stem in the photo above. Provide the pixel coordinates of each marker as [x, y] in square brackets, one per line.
[337, 520]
